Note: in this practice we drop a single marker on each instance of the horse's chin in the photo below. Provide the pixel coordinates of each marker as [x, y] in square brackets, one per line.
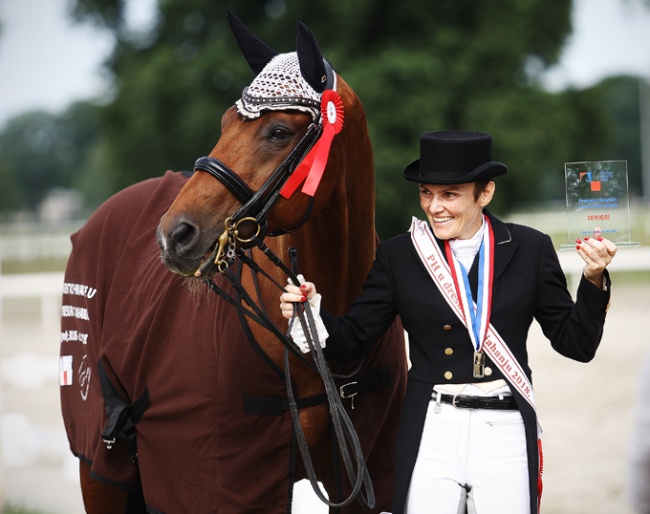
[186, 268]
[198, 290]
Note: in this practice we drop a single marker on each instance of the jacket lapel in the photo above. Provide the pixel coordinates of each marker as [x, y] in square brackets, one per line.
[504, 247]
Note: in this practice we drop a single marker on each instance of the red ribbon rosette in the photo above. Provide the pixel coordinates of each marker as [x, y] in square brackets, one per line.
[313, 165]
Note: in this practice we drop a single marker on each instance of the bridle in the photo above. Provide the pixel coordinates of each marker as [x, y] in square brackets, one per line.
[251, 217]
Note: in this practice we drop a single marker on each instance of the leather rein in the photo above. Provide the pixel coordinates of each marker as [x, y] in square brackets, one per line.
[232, 244]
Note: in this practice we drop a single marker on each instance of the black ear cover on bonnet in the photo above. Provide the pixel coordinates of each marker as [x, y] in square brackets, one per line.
[255, 51]
[314, 69]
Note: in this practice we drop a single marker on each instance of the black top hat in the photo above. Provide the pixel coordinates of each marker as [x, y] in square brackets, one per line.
[454, 157]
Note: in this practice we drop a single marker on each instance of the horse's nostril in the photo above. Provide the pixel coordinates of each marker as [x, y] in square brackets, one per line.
[183, 237]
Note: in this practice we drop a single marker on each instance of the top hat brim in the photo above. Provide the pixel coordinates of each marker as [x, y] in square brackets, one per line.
[486, 171]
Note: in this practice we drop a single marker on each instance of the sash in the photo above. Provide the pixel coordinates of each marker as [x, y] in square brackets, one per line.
[442, 277]
[477, 315]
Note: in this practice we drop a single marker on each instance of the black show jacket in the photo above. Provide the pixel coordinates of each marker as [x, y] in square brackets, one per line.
[528, 284]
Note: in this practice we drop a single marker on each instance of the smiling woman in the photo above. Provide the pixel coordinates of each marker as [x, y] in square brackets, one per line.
[454, 212]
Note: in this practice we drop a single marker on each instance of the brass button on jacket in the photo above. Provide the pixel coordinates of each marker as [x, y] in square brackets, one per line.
[446, 327]
[449, 351]
[449, 375]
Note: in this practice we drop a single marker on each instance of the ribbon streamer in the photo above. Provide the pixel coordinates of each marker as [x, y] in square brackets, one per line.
[313, 165]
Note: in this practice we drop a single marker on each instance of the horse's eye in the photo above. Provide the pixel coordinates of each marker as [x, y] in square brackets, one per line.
[280, 134]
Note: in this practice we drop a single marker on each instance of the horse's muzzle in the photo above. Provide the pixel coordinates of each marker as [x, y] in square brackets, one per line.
[181, 247]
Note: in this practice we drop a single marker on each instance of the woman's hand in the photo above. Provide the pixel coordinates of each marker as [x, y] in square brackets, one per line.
[296, 294]
[597, 254]
[299, 294]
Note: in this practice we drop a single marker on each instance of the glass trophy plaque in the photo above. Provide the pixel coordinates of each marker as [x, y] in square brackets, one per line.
[597, 202]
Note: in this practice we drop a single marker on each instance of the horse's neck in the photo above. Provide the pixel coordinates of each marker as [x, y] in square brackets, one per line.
[340, 239]
[335, 251]
[336, 247]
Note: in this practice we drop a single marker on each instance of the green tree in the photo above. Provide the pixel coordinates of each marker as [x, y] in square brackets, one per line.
[41, 150]
[172, 85]
[11, 197]
[417, 65]
[621, 97]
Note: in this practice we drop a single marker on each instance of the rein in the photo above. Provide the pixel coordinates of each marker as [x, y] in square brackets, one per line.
[343, 427]
[247, 228]
[346, 436]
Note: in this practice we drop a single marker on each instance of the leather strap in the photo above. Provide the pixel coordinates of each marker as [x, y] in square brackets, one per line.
[275, 405]
[374, 379]
[226, 176]
[122, 416]
[477, 402]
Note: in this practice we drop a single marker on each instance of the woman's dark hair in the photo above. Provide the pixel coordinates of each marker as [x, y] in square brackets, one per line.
[479, 186]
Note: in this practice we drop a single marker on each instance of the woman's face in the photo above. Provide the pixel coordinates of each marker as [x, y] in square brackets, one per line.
[452, 210]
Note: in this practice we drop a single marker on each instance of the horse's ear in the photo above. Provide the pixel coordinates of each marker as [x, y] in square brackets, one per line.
[255, 51]
[312, 65]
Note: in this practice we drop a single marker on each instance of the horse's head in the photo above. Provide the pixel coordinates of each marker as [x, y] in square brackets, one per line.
[264, 138]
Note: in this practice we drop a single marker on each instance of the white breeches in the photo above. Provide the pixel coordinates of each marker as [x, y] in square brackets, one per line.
[470, 461]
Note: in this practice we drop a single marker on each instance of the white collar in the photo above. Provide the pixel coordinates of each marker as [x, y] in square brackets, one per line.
[466, 249]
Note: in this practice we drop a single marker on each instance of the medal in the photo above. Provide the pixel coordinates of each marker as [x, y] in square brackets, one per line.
[479, 364]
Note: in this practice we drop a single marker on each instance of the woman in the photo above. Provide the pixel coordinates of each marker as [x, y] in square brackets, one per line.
[467, 287]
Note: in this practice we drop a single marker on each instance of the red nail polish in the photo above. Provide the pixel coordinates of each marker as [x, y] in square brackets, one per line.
[578, 241]
[577, 247]
[600, 239]
[303, 287]
[303, 299]
[586, 239]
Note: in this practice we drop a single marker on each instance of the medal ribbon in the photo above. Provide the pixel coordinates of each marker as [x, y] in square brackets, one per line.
[310, 170]
[477, 315]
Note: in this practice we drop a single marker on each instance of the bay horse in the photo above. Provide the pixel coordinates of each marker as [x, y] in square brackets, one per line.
[176, 400]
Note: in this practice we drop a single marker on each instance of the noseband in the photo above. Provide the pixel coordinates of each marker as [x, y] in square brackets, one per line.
[251, 218]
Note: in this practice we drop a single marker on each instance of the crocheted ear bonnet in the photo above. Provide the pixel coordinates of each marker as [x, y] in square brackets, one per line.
[280, 86]
[300, 80]
[294, 80]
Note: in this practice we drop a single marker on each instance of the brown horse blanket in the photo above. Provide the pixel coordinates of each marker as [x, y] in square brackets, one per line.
[184, 362]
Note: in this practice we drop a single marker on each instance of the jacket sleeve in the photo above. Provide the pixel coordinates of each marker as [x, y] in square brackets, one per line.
[353, 335]
[574, 328]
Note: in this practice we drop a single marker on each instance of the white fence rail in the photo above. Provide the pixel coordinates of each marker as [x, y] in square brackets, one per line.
[36, 241]
[26, 247]
[48, 286]
[44, 286]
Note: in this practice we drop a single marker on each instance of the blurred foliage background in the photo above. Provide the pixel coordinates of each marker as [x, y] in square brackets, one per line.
[417, 65]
